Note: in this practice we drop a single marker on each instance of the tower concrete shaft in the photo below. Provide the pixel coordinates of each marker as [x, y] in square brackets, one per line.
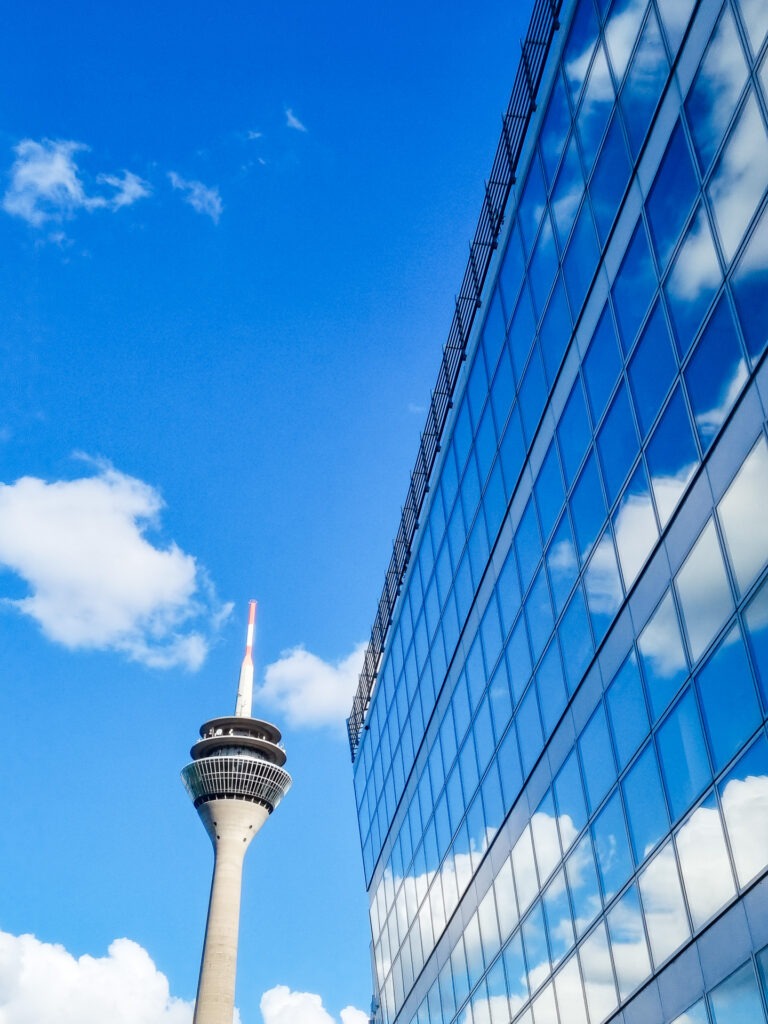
[236, 780]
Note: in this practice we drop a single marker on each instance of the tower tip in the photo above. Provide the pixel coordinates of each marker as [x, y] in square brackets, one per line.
[245, 685]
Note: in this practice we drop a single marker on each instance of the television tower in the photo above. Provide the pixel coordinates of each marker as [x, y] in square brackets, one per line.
[236, 780]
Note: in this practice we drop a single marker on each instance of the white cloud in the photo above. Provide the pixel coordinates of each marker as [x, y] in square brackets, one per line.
[46, 183]
[309, 691]
[280, 1005]
[253, 135]
[44, 983]
[202, 198]
[293, 122]
[95, 580]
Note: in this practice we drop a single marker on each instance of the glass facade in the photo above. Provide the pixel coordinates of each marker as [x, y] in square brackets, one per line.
[562, 783]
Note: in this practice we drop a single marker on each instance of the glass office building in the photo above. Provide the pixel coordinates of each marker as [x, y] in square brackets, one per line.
[560, 752]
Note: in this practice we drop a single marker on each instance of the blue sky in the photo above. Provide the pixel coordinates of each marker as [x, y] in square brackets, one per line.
[231, 242]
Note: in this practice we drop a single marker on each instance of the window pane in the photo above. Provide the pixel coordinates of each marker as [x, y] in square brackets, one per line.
[546, 843]
[581, 43]
[576, 640]
[693, 281]
[528, 545]
[603, 586]
[683, 755]
[598, 975]
[532, 204]
[652, 369]
[549, 490]
[716, 374]
[737, 1000]
[521, 332]
[744, 798]
[587, 507]
[568, 192]
[634, 287]
[551, 685]
[570, 993]
[524, 868]
[597, 758]
[755, 15]
[519, 659]
[630, 950]
[555, 332]
[621, 31]
[644, 800]
[717, 87]
[573, 433]
[543, 268]
[704, 591]
[557, 121]
[595, 107]
[749, 284]
[674, 16]
[533, 393]
[609, 181]
[704, 862]
[602, 365]
[728, 699]
[557, 911]
[738, 182]
[672, 457]
[672, 196]
[662, 897]
[627, 711]
[581, 259]
[614, 859]
[569, 796]
[562, 563]
[644, 83]
[742, 515]
[583, 885]
[634, 526]
[529, 730]
[538, 610]
[756, 619]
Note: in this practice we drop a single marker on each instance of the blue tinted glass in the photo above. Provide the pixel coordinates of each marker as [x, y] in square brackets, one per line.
[477, 386]
[567, 193]
[584, 886]
[602, 365]
[562, 563]
[627, 711]
[529, 730]
[581, 43]
[693, 281]
[644, 83]
[750, 289]
[652, 369]
[573, 433]
[557, 911]
[528, 545]
[503, 389]
[494, 501]
[716, 374]
[508, 590]
[644, 800]
[602, 584]
[555, 129]
[587, 507]
[521, 332]
[576, 640]
[494, 331]
[581, 259]
[713, 96]
[672, 456]
[621, 30]
[538, 610]
[462, 435]
[512, 451]
[485, 443]
[549, 490]
[634, 525]
[543, 266]
[728, 699]
[597, 758]
[662, 656]
[533, 393]
[509, 767]
[683, 756]
[551, 684]
[512, 268]
[535, 942]
[610, 178]
[737, 1000]
[672, 196]
[569, 796]
[756, 619]
[555, 332]
[519, 659]
[614, 859]
[617, 443]
[517, 976]
[478, 548]
[532, 205]
[634, 287]
[595, 107]
[500, 698]
[470, 490]
[674, 18]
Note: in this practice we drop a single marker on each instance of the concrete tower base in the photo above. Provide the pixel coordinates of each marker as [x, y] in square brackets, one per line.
[231, 824]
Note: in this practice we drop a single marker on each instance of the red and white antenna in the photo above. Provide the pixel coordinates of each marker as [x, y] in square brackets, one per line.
[244, 704]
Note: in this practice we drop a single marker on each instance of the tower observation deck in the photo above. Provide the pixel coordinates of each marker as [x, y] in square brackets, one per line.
[236, 779]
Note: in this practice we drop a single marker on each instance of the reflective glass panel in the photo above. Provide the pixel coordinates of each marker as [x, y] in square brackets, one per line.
[598, 975]
[575, 640]
[595, 107]
[621, 32]
[614, 859]
[740, 177]
[532, 205]
[634, 526]
[683, 755]
[538, 610]
[581, 259]
[569, 796]
[704, 591]
[503, 389]
[728, 699]
[554, 129]
[644, 800]
[652, 369]
[555, 331]
[704, 862]
[674, 17]
[546, 842]
[693, 281]
[543, 268]
[573, 432]
[533, 392]
[672, 196]
[756, 620]
[557, 911]
[512, 451]
[549, 490]
[665, 916]
[644, 83]
[610, 178]
[744, 799]
[672, 457]
[597, 758]
[755, 15]
[551, 684]
[617, 443]
[562, 563]
[713, 96]
[583, 885]
[627, 711]
[570, 993]
[517, 976]
[524, 869]
[634, 287]
[630, 950]
[528, 544]
[602, 584]
[601, 365]
[742, 515]
[510, 771]
[580, 46]
[737, 999]
[568, 192]
[529, 732]
[716, 373]
[749, 284]
[519, 659]
[587, 507]
[521, 332]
